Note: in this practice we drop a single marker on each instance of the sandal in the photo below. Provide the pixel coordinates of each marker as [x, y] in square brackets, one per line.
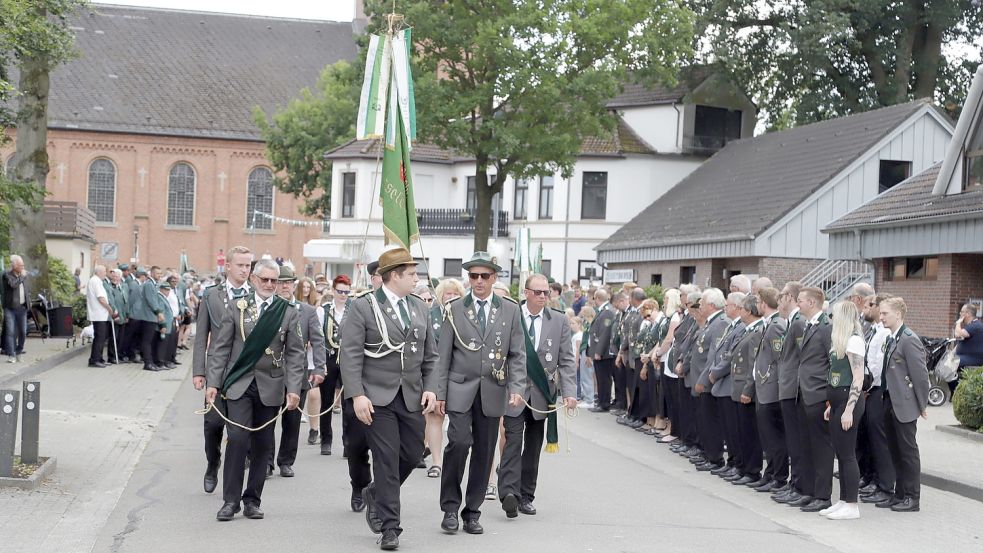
[434, 472]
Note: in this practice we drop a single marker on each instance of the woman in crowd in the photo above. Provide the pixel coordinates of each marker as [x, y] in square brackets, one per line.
[969, 332]
[846, 405]
[585, 365]
[648, 393]
[673, 312]
[306, 293]
[448, 290]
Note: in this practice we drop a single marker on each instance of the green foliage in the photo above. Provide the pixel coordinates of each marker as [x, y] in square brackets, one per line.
[519, 85]
[810, 61]
[311, 125]
[967, 401]
[63, 290]
[655, 292]
[80, 313]
[514, 291]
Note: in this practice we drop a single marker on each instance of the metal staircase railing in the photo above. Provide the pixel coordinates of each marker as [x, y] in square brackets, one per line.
[837, 277]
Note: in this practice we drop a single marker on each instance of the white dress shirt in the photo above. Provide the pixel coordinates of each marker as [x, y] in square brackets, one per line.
[394, 300]
[229, 288]
[487, 301]
[875, 352]
[536, 326]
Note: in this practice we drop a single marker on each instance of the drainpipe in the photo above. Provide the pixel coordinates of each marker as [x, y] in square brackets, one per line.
[566, 230]
[675, 106]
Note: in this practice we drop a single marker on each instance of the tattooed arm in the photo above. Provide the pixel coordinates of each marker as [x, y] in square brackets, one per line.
[856, 388]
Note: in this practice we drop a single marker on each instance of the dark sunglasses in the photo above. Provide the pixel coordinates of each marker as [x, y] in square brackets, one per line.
[543, 293]
[268, 280]
[483, 276]
[343, 292]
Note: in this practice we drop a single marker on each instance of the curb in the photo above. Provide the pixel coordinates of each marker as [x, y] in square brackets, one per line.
[43, 365]
[947, 484]
[32, 482]
[959, 430]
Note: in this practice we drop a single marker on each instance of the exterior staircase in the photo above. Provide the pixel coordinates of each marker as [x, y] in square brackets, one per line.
[837, 277]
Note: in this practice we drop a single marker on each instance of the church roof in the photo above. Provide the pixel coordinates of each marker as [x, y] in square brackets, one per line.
[186, 73]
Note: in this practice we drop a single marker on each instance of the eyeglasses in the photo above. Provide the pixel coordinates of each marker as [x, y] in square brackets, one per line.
[267, 280]
[342, 292]
[483, 276]
[872, 304]
[543, 293]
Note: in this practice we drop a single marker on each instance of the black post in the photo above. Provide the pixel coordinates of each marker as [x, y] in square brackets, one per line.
[30, 423]
[8, 430]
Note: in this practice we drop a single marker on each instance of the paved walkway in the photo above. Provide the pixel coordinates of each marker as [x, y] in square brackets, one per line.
[39, 354]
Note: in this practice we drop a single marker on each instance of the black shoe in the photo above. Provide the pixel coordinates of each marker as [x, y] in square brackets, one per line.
[358, 504]
[422, 464]
[269, 471]
[707, 467]
[389, 540]
[698, 460]
[877, 497]
[815, 506]
[723, 471]
[694, 452]
[287, 471]
[868, 489]
[786, 497]
[371, 513]
[783, 488]
[597, 410]
[760, 482]
[170, 366]
[889, 502]
[98, 365]
[472, 526]
[802, 501]
[325, 448]
[744, 480]
[636, 424]
[909, 505]
[510, 504]
[252, 510]
[227, 512]
[211, 479]
[154, 368]
[527, 508]
[769, 487]
[312, 437]
[733, 477]
[450, 523]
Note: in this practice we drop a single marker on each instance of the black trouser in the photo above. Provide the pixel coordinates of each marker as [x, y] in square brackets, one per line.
[519, 468]
[396, 439]
[357, 446]
[904, 453]
[820, 448]
[170, 344]
[801, 478]
[845, 442]
[289, 434]
[772, 432]
[100, 332]
[620, 387]
[670, 391]
[747, 435]
[880, 453]
[727, 414]
[213, 426]
[656, 392]
[603, 371]
[132, 339]
[468, 431]
[327, 388]
[148, 337]
[688, 414]
[710, 429]
[249, 411]
[114, 342]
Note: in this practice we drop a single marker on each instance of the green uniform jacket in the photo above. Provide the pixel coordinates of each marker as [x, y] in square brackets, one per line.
[117, 297]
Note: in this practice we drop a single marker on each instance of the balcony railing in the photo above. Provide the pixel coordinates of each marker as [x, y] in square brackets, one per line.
[457, 222]
[68, 219]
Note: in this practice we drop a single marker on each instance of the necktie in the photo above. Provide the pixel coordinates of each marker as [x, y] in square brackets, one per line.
[403, 314]
[238, 292]
[887, 357]
[481, 315]
[532, 329]
[262, 308]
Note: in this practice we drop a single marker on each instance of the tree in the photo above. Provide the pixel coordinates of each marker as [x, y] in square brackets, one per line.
[34, 34]
[517, 85]
[809, 61]
[300, 134]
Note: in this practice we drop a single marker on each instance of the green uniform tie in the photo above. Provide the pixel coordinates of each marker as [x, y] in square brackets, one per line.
[403, 314]
[481, 315]
[887, 357]
[532, 329]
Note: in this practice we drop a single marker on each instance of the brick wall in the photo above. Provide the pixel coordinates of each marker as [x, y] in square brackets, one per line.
[783, 269]
[779, 270]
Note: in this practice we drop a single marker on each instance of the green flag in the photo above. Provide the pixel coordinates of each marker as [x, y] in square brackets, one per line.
[398, 209]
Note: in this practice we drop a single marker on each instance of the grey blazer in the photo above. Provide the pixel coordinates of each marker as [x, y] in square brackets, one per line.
[498, 367]
[310, 329]
[632, 325]
[723, 384]
[412, 369]
[556, 354]
[814, 346]
[705, 350]
[599, 335]
[766, 362]
[214, 304]
[742, 361]
[906, 376]
[272, 377]
[788, 359]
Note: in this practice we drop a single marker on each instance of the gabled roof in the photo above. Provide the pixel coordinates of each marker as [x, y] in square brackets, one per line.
[752, 183]
[185, 73]
[911, 202]
[635, 95]
[369, 149]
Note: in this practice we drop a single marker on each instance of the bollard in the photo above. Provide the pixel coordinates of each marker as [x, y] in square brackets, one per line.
[30, 423]
[8, 430]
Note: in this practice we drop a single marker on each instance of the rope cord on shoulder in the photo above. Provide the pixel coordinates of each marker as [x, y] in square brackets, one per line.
[570, 415]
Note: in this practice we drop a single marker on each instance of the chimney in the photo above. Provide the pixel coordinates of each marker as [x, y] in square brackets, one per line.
[361, 22]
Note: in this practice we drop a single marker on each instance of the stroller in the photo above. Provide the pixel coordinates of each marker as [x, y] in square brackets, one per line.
[935, 350]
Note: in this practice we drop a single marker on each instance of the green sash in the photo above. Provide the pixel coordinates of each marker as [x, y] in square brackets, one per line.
[258, 340]
[537, 373]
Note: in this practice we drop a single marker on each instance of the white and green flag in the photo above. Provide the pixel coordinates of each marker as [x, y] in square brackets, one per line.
[371, 121]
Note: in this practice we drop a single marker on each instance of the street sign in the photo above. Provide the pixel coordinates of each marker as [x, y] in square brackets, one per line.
[109, 250]
[619, 275]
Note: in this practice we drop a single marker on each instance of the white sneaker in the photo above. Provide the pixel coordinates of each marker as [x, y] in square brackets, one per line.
[849, 511]
[491, 492]
[12, 359]
[833, 507]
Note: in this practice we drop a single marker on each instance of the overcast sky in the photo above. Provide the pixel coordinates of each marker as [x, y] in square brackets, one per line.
[332, 10]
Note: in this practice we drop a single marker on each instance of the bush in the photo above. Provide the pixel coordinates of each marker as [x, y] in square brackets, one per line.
[80, 313]
[655, 292]
[63, 291]
[967, 401]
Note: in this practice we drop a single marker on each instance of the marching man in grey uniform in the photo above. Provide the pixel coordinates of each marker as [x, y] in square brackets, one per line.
[388, 353]
[256, 354]
[482, 367]
[550, 368]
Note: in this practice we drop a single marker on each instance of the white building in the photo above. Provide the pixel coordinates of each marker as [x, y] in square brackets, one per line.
[662, 136]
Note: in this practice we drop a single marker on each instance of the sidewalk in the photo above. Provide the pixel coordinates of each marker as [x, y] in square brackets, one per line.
[949, 462]
[39, 356]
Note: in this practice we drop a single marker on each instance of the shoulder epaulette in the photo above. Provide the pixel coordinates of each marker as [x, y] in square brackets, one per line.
[908, 332]
[509, 298]
[362, 293]
[453, 301]
[564, 313]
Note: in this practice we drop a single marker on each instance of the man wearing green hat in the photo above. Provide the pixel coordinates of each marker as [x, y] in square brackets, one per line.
[388, 354]
[482, 367]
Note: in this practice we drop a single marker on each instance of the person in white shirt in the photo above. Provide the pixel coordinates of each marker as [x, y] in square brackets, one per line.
[880, 472]
[100, 314]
